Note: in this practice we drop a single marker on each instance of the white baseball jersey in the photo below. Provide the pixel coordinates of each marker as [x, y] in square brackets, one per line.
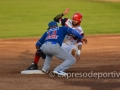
[69, 39]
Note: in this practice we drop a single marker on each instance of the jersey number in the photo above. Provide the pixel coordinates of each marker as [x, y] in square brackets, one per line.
[52, 35]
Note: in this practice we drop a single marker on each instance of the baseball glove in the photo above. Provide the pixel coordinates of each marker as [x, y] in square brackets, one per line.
[40, 53]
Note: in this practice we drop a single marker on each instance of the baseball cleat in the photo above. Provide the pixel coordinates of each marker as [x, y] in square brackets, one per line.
[33, 66]
[45, 71]
[60, 73]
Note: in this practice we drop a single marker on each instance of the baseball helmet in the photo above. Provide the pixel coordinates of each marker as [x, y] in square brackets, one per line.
[52, 23]
[77, 17]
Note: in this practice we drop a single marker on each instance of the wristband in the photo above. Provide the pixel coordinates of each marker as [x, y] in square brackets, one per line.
[78, 52]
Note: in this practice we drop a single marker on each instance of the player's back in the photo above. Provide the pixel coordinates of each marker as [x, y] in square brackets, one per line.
[56, 34]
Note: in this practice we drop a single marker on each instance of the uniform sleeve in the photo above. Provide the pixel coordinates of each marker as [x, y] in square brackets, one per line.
[77, 38]
[41, 40]
[58, 17]
[60, 20]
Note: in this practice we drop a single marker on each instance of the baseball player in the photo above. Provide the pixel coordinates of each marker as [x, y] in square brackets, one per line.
[70, 43]
[51, 42]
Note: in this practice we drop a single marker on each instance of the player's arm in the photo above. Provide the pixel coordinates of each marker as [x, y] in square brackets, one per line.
[79, 37]
[40, 41]
[59, 18]
[79, 44]
[74, 33]
[82, 39]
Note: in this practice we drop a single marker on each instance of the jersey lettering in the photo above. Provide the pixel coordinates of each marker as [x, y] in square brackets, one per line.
[52, 35]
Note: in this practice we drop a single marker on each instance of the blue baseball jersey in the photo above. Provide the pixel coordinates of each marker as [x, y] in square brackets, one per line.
[57, 35]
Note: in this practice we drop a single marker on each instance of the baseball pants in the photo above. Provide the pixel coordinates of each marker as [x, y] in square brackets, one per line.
[53, 49]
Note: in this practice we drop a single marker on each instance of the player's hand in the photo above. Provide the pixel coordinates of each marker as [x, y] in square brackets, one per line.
[84, 40]
[39, 51]
[77, 57]
[66, 11]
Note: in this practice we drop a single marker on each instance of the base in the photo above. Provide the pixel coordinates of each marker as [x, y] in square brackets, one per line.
[32, 72]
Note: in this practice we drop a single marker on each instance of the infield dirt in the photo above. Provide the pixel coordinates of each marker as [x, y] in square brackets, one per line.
[101, 54]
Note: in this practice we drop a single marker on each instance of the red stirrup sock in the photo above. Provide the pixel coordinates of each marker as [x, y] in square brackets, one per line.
[36, 59]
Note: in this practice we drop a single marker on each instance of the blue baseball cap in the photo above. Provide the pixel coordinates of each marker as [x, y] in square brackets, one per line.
[52, 24]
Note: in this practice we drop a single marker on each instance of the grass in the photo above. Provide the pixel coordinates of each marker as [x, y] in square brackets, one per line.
[29, 18]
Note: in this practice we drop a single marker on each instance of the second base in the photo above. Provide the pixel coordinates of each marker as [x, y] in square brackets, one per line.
[32, 72]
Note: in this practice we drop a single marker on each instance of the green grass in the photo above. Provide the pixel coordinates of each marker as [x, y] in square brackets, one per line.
[29, 18]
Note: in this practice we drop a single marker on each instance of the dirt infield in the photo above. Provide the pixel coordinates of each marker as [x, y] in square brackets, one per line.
[100, 56]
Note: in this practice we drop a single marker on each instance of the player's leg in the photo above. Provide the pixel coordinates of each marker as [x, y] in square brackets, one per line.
[68, 60]
[63, 53]
[34, 65]
[66, 47]
[69, 48]
[55, 50]
[47, 62]
[36, 58]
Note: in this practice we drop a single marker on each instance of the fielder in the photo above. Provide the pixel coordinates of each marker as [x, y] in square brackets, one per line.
[50, 43]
